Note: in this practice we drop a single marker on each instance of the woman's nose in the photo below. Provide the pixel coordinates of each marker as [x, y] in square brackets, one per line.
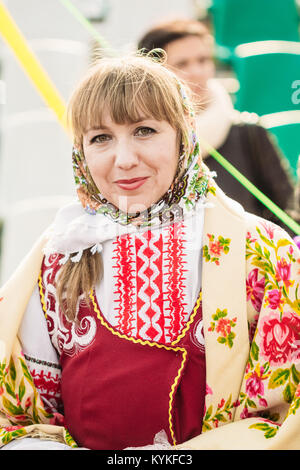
[125, 156]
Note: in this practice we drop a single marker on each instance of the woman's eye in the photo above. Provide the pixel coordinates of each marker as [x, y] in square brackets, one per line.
[144, 131]
[100, 139]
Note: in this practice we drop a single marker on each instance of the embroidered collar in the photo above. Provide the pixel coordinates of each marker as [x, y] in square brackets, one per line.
[75, 229]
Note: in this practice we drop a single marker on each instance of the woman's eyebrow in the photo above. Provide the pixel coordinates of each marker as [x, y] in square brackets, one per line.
[97, 128]
[143, 118]
[105, 128]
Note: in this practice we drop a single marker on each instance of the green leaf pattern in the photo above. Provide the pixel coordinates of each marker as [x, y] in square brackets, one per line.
[271, 373]
[20, 404]
[215, 248]
[271, 385]
[223, 326]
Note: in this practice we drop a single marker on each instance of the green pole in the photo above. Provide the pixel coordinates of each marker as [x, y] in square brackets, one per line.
[85, 23]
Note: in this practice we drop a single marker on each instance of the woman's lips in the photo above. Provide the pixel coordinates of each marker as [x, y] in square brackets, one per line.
[131, 184]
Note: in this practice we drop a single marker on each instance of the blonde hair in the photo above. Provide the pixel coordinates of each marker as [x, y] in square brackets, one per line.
[129, 88]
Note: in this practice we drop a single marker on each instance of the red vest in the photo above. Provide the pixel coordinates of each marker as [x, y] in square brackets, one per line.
[120, 391]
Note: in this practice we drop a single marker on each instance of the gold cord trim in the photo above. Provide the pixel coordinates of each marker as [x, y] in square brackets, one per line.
[42, 296]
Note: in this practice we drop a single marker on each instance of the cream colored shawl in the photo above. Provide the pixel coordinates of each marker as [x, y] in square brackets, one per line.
[250, 281]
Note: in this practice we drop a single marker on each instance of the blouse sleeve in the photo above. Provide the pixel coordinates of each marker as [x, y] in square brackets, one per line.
[268, 410]
[40, 355]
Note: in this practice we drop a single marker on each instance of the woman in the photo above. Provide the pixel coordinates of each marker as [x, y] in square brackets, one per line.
[159, 307]
[248, 146]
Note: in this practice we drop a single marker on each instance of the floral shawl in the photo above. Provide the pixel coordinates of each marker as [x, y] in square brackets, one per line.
[251, 315]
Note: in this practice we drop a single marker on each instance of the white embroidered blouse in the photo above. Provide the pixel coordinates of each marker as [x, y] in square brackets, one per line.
[150, 284]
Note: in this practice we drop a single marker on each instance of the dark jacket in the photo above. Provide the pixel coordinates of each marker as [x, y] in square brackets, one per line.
[250, 149]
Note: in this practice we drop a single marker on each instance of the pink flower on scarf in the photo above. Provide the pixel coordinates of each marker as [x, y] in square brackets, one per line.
[215, 248]
[255, 289]
[223, 327]
[274, 299]
[254, 382]
[222, 403]
[250, 238]
[262, 402]
[254, 386]
[28, 402]
[280, 338]
[269, 228]
[283, 272]
[245, 414]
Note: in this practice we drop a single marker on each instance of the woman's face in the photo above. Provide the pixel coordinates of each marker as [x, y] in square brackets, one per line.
[191, 58]
[133, 165]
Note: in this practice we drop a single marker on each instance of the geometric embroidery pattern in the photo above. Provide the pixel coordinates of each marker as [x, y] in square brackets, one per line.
[176, 282]
[124, 279]
[150, 284]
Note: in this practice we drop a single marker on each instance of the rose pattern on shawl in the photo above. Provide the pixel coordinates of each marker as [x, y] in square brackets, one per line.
[283, 272]
[254, 383]
[277, 273]
[255, 388]
[223, 326]
[255, 289]
[215, 248]
[280, 338]
[284, 378]
[274, 299]
[272, 368]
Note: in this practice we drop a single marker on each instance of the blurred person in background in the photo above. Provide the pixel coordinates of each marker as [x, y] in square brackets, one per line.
[189, 46]
[155, 311]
